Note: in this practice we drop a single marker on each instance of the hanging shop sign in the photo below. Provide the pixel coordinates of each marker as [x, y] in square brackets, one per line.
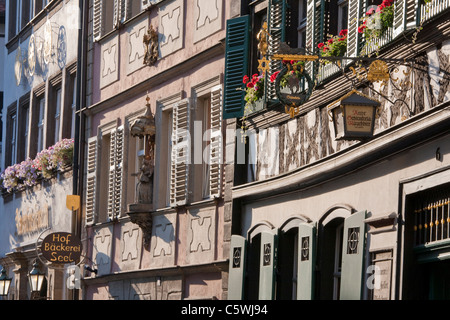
[61, 248]
[353, 116]
[293, 85]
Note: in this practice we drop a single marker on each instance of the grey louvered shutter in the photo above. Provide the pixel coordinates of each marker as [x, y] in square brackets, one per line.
[236, 270]
[353, 253]
[116, 153]
[354, 14]
[236, 66]
[267, 266]
[91, 180]
[180, 157]
[98, 19]
[216, 143]
[306, 261]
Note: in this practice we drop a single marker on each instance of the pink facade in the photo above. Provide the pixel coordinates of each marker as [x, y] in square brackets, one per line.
[178, 246]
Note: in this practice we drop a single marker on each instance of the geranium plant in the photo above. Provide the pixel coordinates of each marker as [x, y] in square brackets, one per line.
[335, 46]
[254, 88]
[45, 165]
[377, 21]
[295, 70]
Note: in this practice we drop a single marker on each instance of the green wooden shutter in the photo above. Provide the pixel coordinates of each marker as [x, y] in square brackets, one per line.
[267, 266]
[236, 66]
[236, 271]
[353, 248]
[305, 264]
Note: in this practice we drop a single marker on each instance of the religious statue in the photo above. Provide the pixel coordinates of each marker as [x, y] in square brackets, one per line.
[144, 128]
[151, 47]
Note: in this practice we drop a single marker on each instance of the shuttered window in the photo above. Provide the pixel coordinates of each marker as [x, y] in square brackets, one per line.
[91, 180]
[216, 143]
[236, 66]
[109, 15]
[115, 179]
[180, 154]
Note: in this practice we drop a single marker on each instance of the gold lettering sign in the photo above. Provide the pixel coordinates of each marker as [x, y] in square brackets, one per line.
[31, 220]
[61, 248]
[378, 71]
[359, 118]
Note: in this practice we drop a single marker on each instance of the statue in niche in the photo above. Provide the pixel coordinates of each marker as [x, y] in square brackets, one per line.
[144, 128]
[151, 47]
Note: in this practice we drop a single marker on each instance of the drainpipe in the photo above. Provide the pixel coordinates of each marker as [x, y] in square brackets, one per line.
[79, 104]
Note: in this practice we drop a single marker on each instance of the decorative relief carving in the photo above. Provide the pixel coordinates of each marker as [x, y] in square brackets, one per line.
[136, 49]
[102, 250]
[162, 246]
[201, 234]
[171, 27]
[109, 62]
[208, 18]
[200, 228]
[163, 241]
[130, 244]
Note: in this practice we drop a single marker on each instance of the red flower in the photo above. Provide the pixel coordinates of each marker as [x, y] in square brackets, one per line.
[245, 79]
[320, 45]
[342, 39]
[361, 28]
[330, 41]
[380, 7]
[273, 77]
[343, 32]
[250, 85]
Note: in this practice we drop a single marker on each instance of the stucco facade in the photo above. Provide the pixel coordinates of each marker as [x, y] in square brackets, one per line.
[175, 246]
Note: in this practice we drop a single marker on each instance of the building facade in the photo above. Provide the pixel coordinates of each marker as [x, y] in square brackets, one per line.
[155, 205]
[317, 215]
[40, 68]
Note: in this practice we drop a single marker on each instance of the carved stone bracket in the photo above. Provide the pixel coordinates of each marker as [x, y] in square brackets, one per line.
[141, 215]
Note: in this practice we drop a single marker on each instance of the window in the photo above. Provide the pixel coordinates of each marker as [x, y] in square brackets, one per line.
[104, 189]
[40, 124]
[57, 116]
[108, 15]
[20, 13]
[342, 15]
[39, 5]
[11, 136]
[23, 128]
[302, 5]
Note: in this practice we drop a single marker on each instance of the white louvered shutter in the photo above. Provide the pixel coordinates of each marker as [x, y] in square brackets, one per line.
[310, 33]
[216, 143]
[91, 180]
[404, 15]
[276, 30]
[98, 19]
[354, 14]
[180, 158]
[115, 178]
[122, 11]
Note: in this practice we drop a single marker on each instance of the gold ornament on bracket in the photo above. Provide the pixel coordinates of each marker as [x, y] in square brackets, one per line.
[378, 71]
